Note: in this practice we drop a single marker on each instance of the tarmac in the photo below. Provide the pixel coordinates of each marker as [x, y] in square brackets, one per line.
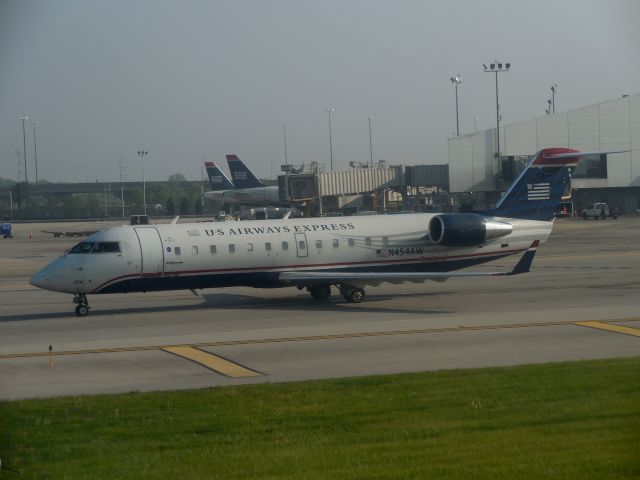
[581, 301]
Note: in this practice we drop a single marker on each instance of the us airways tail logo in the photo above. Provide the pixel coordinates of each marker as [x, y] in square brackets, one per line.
[538, 191]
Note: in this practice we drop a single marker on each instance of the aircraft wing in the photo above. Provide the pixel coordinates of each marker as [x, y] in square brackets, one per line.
[310, 277]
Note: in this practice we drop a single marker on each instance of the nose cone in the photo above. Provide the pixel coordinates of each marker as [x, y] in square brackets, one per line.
[49, 278]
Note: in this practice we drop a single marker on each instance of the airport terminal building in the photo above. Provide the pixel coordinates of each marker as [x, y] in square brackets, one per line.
[608, 126]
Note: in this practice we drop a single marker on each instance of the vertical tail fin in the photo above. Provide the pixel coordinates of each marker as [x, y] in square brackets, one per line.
[242, 176]
[535, 194]
[217, 179]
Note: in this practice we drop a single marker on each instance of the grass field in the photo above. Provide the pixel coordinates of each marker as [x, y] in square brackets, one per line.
[566, 420]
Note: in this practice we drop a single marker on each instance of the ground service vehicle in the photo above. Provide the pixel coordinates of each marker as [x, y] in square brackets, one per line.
[598, 211]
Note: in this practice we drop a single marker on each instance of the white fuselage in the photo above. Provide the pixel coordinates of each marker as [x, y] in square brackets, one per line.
[252, 253]
[247, 196]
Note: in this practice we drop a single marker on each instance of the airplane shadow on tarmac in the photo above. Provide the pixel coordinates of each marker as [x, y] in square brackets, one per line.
[229, 301]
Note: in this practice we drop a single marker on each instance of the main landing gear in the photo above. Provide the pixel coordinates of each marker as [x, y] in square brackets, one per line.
[320, 292]
[83, 304]
[350, 294]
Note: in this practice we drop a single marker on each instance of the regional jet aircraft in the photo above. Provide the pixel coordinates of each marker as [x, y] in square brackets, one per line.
[318, 253]
[246, 188]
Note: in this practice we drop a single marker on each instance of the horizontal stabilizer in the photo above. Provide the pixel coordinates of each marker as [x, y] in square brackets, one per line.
[584, 154]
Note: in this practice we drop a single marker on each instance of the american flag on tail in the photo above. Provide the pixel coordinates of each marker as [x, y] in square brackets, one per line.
[538, 191]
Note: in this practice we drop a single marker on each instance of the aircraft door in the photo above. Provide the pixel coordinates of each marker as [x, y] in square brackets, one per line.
[151, 248]
[301, 244]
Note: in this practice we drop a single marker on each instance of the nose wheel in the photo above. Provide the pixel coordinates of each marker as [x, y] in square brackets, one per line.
[82, 310]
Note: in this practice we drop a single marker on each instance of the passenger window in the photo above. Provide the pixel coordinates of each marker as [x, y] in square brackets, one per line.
[318, 243]
[250, 247]
[335, 243]
[232, 248]
[301, 245]
[285, 245]
[267, 246]
[177, 250]
[385, 240]
[213, 249]
[352, 242]
[367, 241]
[194, 250]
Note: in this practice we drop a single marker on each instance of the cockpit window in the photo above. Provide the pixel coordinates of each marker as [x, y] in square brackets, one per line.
[82, 247]
[106, 247]
[96, 247]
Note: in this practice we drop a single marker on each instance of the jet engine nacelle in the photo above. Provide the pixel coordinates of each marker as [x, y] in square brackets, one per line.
[465, 229]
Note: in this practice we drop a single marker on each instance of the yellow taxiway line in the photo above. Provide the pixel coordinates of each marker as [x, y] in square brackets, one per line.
[211, 361]
[612, 328]
[229, 343]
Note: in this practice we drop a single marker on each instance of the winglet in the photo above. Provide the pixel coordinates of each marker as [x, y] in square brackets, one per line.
[525, 262]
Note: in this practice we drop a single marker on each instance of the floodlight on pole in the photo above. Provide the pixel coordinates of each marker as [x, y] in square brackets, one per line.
[455, 81]
[329, 110]
[554, 89]
[500, 68]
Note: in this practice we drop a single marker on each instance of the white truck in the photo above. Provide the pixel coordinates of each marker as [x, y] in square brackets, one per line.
[598, 211]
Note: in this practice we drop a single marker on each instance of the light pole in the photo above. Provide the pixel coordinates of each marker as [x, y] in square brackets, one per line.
[24, 148]
[35, 149]
[330, 139]
[475, 125]
[554, 89]
[497, 67]
[19, 154]
[370, 117]
[120, 171]
[455, 81]
[142, 154]
[284, 133]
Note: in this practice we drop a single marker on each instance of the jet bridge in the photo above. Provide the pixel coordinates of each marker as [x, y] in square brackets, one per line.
[305, 186]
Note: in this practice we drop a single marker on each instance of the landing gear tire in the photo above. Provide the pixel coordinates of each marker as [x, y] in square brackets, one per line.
[584, 216]
[82, 310]
[320, 292]
[353, 295]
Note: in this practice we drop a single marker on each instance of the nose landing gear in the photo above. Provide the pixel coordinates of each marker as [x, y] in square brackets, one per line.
[83, 304]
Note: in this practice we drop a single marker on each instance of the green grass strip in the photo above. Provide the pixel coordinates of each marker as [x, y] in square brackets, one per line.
[558, 421]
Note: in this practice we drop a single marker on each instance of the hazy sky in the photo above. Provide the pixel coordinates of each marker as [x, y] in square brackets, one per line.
[193, 80]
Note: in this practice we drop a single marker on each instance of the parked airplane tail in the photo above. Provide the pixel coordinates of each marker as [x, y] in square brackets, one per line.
[241, 175]
[217, 179]
[538, 190]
